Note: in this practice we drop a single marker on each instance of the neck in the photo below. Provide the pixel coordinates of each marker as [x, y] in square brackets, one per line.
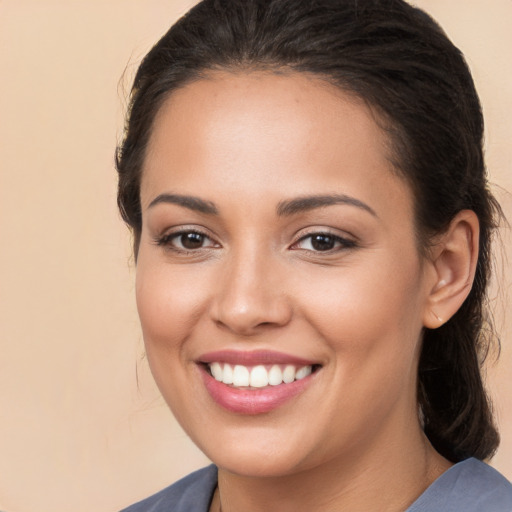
[388, 479]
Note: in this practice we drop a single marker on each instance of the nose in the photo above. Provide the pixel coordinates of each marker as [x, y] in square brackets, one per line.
[251, 295]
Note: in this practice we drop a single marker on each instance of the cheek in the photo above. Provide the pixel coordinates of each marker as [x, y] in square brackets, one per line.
[370, 315]
[368, 295]
[169, 302]
[372, 325]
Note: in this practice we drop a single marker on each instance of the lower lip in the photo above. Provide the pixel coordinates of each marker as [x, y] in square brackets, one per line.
[256, 401]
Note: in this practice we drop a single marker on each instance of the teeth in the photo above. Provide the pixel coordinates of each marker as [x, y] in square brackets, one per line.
[257, 376]
[289, 374]
[275, 376]
[240, 376]
[303, 372]
[217, 372]
[227, 374]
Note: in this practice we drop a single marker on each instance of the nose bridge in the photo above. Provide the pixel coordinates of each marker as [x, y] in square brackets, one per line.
[251, 291]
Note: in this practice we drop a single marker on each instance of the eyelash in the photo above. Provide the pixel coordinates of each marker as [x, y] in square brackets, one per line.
[166, 240]
[342, 243]
[339, 242]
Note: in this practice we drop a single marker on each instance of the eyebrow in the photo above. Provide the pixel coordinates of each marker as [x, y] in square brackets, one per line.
[306, 203]
[284, 208]
[191, 202]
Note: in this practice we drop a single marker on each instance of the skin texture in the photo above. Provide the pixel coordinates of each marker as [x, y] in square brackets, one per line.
[245, 143]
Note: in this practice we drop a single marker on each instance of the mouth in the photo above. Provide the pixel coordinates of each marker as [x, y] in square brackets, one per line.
[255, 382]
[259, 376]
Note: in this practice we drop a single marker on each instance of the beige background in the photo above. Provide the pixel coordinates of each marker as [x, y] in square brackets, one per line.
[82, 427]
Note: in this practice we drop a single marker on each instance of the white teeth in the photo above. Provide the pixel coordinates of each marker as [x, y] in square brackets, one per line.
[257, 376]
[289, 374]
[240, 376]
[275, 376]
[217, 372]
[303, 372]
[227, 376]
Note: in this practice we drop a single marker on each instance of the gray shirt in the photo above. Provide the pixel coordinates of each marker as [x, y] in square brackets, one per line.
[469, 486]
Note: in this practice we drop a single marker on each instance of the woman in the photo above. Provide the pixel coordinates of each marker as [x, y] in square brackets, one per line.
[312, 223]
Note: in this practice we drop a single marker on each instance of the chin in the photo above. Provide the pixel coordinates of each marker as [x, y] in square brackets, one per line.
[257, 465]
[257, 453]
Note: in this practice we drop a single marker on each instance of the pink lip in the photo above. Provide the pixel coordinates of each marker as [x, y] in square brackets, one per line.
[256, 401]
[253, 358]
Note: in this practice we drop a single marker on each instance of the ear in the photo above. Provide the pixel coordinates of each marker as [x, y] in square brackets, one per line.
[453, 261]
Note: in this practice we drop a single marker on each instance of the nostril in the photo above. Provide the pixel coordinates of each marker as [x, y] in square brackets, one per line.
[250, 320]
[245, 304]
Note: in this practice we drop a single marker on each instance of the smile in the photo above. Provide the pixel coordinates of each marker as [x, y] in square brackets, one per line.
[259, 376]
[255, 382]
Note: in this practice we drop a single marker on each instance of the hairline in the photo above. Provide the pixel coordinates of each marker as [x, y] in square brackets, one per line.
[392, 132]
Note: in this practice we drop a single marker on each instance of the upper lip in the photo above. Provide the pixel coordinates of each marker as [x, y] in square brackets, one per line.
[253, 358]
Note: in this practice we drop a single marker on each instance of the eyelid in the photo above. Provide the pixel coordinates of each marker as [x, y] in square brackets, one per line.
[164, 239]
[345, 242]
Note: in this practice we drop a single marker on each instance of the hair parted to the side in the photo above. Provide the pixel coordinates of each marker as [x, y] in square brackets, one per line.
[397, 59]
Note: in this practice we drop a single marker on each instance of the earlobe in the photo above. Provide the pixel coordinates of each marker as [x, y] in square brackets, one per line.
[454, 259]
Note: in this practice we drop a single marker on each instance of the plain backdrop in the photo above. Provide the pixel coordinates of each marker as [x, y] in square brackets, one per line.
[82, 426]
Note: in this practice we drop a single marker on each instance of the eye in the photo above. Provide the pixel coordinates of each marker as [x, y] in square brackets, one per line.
[186, 241]
[323, 242]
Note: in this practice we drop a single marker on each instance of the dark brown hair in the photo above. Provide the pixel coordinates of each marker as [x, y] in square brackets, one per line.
[397, 59]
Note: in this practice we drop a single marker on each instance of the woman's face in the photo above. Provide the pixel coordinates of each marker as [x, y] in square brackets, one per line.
[278, 245]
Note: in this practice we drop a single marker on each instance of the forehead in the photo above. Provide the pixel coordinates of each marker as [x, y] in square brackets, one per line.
[262, 131]
[234, 101]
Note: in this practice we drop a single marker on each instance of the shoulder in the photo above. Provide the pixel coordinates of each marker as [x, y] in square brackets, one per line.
[470, 485]
[194, 492]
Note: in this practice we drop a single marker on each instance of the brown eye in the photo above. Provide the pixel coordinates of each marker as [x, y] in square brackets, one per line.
[322, 242]
[191, 240]
[186, 241]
